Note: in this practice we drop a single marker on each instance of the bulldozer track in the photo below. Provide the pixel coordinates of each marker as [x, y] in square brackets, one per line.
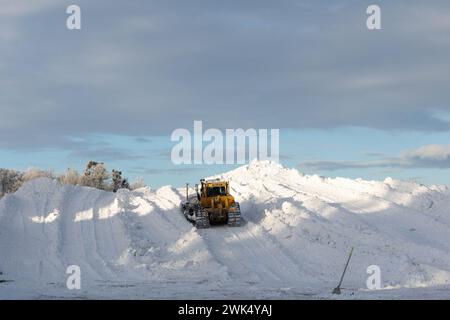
[235, 218]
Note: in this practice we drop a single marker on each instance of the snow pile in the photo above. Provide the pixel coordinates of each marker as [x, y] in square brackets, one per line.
[402, 227]
[299, 230]
[116, 239]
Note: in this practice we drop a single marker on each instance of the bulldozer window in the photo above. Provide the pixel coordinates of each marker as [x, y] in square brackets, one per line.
[217, 191]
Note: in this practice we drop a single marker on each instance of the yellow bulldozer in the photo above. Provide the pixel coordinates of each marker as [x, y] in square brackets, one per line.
[212, 204]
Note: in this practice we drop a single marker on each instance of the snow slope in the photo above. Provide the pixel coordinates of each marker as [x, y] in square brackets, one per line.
[294, 244]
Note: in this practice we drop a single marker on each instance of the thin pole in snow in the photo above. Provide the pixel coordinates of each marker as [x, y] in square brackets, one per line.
[337, 290]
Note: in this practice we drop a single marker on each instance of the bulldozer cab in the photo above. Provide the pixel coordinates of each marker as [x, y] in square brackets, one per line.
[216, 191]
[214, 188]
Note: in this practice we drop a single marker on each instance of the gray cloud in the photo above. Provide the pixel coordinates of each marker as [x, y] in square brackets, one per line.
[428, 156]
[105, 154]
[283, 157]
[148, 67]
[373, 154]
[142, 140]
[158, 171]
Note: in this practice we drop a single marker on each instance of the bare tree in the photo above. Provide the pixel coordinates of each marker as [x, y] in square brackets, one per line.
[118, 182]
[95, 175]
[10, 181]
[70, 177]
[34, 173]
[137, 184]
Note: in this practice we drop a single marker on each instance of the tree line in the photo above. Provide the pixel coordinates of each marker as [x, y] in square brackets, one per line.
[95, 175]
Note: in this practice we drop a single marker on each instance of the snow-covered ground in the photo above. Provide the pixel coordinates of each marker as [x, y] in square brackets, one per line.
[298, 232]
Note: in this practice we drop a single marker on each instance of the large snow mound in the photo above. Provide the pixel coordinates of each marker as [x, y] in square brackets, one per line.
[294, 244]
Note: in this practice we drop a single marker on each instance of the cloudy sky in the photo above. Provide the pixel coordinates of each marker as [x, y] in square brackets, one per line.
[348, 101]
